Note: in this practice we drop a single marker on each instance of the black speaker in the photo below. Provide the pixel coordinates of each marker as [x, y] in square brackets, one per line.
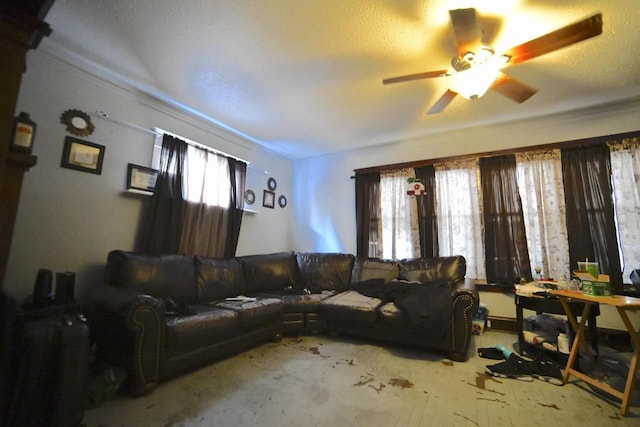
[42, 288]
[65, 283]
[635, 278]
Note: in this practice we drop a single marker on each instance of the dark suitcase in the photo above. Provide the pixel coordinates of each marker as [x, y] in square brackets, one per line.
[51, 373]
[7, 317]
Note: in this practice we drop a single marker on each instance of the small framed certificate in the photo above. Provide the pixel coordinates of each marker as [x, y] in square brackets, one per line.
[141, 179]
[82, 155]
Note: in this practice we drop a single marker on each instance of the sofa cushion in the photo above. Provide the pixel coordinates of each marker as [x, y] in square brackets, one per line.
[350, 307]
[208, 325]
[324, 271]
[269, 272]
[374, 268]
[452, 269]
[257, 313]
[163, 276]
[299, 302]
[219, 278]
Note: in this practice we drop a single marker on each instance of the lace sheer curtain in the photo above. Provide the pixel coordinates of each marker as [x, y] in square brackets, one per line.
[625, 166]
[539, 176]
[459, 217]
[400, 234]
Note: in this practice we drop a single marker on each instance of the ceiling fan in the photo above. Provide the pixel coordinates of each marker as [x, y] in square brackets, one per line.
[476, 67]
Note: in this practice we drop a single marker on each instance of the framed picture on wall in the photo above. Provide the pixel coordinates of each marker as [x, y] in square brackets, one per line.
[82, 155]
[141, 179]
[268, 199]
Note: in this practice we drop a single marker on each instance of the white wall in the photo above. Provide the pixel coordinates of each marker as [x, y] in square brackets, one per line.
[69, 220]
[325, 214]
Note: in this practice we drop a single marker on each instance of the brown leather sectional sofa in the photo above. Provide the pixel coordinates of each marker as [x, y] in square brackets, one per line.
[159, 315]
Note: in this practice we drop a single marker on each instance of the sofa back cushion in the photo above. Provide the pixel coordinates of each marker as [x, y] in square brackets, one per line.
[162, 276]
[270, 272]
[324, 271]
[451, 268]
[375, 268]
[219, 278]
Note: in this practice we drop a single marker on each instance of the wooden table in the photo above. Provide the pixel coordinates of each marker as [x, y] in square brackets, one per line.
[623, 304]
[540, 305]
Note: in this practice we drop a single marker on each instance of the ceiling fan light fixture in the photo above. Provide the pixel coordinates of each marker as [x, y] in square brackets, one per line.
[474, 80]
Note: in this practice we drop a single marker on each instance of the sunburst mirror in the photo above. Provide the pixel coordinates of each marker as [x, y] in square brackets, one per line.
[78, 122]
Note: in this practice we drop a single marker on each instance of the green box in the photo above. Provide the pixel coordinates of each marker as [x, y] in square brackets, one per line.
[595, 286]
[596, 289]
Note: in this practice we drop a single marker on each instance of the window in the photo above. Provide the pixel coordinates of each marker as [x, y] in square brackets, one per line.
[399, 217]
[625, 167]
[206, 173]
[459, 215]
[207, 178]
[539, 176]
[197, 205]
[541, 187]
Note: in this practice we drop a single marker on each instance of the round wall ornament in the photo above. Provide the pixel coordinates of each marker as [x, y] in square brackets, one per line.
[249, 197]
[78, 122]
[282, 201]
[271, 183]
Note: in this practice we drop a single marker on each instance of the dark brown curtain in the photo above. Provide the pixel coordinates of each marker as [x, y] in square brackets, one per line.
[507, 257]
[213, 231]
[367, 211]
[204, 230]
[237, 176]
[427, 222]
[590, 217]
[162, 226]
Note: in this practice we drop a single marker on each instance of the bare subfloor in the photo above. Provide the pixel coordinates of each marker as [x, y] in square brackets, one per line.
[321, 381]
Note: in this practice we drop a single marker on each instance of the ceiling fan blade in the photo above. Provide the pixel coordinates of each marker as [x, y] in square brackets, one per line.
[466, 30]
[489, 29]
[557, 39]
[418, 76]
[442, 103]
[512, 89]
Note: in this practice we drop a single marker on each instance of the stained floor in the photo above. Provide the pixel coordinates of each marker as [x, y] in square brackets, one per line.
[322, 381]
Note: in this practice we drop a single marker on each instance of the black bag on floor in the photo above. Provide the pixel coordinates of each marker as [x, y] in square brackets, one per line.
[52, 360]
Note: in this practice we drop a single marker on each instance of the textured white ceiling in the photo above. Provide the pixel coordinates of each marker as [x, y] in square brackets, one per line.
[304, 77]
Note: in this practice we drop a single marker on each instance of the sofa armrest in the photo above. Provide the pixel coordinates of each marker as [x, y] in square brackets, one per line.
[465, 301]
[130, 331]
[466, 286]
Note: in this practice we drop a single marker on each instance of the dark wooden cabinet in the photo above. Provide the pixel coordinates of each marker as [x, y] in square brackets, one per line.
[21, 29]
[15, 166]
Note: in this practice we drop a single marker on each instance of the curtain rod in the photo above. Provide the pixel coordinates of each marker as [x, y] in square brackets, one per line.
[158, 131]
[554, 145]
[104, 115]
